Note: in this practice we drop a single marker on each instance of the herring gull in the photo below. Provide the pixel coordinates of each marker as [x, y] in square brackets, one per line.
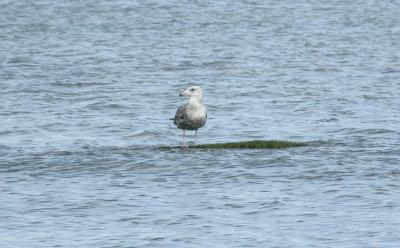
[191, 115]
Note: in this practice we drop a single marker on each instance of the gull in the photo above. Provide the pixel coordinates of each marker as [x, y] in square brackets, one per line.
[191, 115]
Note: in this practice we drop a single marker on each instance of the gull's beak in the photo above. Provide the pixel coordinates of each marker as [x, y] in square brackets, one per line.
[183, 94]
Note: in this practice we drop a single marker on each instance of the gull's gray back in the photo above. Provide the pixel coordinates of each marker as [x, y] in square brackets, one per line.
[190, 117]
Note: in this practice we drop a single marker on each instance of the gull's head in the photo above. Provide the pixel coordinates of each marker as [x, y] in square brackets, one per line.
[193, 91]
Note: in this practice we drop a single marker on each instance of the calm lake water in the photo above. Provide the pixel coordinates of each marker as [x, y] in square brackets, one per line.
[87, 90]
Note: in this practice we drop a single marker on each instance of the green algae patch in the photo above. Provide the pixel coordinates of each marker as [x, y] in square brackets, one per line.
[254, 144]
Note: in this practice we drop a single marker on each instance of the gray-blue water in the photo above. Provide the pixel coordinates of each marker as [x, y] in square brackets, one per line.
[87, 90]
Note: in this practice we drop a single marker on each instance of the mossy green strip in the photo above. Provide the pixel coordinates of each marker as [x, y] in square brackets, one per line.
[254, 144]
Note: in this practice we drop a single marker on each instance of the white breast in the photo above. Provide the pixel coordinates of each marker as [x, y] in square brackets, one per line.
[197, 112]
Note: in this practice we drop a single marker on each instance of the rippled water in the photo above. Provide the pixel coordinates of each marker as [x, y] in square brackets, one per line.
[87, 90]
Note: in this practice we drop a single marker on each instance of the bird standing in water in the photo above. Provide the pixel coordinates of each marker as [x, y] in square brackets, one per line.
[191, 115]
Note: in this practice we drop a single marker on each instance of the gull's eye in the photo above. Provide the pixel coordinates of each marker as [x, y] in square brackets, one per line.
[191, 89]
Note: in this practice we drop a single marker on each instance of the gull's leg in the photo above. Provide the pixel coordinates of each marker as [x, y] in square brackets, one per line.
[183, 138]
[195, 143]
